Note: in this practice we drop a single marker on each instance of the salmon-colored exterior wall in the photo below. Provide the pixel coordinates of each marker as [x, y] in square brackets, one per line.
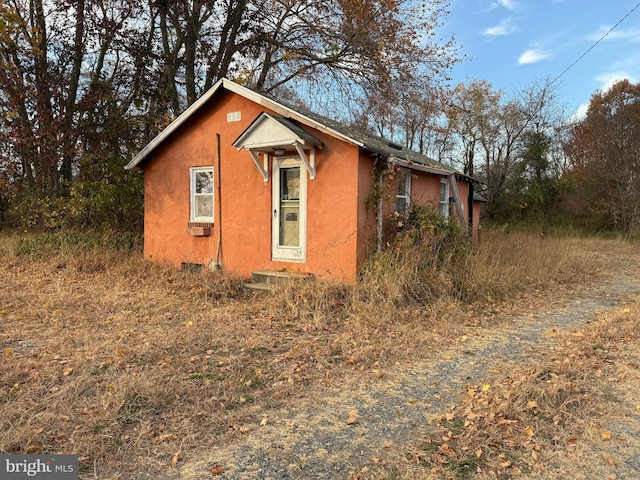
[476, 220]
[333, 246]
[425, 190]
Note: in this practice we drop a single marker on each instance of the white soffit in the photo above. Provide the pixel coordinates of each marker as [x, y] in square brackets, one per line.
[267, 133]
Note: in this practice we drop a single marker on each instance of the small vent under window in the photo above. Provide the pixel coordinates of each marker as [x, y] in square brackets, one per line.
[200, 224]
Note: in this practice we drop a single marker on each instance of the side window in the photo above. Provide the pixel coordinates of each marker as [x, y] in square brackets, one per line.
[403, 190]
[201, 194]
[444, 198]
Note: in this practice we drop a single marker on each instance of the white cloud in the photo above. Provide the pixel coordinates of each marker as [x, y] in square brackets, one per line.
[608, 79]
[505, 27]
[630, 34]
[630, 62]
[580, 113]
[532, 56]
[508, 4]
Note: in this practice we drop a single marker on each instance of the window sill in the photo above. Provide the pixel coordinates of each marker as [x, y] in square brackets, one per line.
[199, 229]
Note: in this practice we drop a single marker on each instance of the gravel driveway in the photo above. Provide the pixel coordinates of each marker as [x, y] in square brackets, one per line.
[314, 440]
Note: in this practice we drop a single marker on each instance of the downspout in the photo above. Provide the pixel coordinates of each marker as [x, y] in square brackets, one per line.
[219, 249]
[470, 207]
[379, 214]
[470, 199]
[379, 207]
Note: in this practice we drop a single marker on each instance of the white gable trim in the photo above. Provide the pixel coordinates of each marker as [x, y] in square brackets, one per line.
[243, 92]
[267, 134]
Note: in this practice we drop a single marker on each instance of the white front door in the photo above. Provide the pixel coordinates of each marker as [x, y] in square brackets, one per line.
[289, 210]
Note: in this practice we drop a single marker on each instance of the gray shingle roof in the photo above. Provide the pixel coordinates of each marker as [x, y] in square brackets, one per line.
[297, 116]
[370, 142]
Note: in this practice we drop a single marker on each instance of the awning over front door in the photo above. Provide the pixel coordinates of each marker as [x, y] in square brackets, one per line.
[272, 134]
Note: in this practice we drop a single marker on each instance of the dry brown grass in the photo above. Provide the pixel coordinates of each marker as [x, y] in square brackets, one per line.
[551, 418]
[131, 365]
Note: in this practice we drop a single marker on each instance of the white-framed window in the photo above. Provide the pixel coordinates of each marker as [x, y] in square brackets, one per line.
[201, 194]
[403, 190]
[444, 198]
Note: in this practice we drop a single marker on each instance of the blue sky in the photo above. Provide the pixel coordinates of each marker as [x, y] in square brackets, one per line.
[510, 43]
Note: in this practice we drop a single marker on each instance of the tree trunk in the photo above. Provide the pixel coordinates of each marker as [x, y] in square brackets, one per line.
[69, 138]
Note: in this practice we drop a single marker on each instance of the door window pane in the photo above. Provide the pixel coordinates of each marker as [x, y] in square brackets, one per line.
[290, 183]
[289, 231]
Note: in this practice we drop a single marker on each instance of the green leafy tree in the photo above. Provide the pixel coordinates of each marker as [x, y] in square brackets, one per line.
[505, 143]
[532, 190]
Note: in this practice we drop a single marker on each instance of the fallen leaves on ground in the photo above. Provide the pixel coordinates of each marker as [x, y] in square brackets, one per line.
[506, 428]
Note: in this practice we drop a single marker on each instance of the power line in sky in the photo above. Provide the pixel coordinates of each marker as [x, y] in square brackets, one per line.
[595, 44]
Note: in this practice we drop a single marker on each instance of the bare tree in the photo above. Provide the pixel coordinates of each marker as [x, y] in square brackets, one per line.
[605, 152]
[90, 79]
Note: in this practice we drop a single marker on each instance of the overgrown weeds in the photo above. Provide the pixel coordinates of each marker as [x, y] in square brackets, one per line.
[71, 243]
[419, 266]
[427, 265]
[132, 365]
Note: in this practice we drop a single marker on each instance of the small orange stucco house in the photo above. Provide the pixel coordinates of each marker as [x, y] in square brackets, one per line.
[245, 182]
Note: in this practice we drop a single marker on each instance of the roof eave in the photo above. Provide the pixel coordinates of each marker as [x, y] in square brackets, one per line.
[428, 169]
[173, 126]
[146, 152]
[417, 166]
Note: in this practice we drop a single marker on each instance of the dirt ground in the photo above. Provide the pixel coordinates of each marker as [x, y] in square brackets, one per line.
[365, 427]
[126, 366]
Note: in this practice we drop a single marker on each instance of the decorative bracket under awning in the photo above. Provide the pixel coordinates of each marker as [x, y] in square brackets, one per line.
[309, 163]
[263, 165]
[272, 134]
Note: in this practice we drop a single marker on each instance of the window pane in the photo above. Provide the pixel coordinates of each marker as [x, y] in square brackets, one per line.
[443, 192]
[401, 184]
[204, 206]
[444, 199]
[290, 183]
[204, 182]
[401, 204]
[402, 190]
